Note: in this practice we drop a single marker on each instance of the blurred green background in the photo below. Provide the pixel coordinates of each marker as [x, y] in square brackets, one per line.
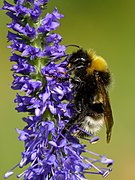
[108, 27]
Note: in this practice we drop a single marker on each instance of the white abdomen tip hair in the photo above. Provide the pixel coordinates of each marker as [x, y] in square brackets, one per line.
[91, 125]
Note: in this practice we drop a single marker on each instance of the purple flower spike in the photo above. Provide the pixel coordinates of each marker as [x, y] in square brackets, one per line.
[45, 94]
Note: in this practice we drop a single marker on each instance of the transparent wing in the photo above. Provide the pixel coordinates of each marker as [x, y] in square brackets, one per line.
[108, 118]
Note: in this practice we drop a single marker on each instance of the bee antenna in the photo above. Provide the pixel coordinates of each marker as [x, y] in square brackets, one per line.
[74, 45]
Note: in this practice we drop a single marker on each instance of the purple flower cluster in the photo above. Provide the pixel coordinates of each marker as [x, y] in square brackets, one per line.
[46, 98]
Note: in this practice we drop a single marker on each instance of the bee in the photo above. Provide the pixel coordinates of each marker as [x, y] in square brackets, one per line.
[91, 79]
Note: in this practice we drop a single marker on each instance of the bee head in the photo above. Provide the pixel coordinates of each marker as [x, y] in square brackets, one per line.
[78, 61]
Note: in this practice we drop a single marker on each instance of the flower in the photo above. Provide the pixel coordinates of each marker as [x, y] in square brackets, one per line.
[48, 152]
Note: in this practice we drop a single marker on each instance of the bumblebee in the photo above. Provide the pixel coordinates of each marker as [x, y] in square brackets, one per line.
[91, 79]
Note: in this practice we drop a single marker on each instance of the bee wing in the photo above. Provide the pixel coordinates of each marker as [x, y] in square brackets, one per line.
[108, 118]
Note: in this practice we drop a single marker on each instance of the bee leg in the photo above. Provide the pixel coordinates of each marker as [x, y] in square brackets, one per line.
[78, 107]
[76, 80]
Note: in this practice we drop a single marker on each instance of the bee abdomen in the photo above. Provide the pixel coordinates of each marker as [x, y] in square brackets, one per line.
[89, 126]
